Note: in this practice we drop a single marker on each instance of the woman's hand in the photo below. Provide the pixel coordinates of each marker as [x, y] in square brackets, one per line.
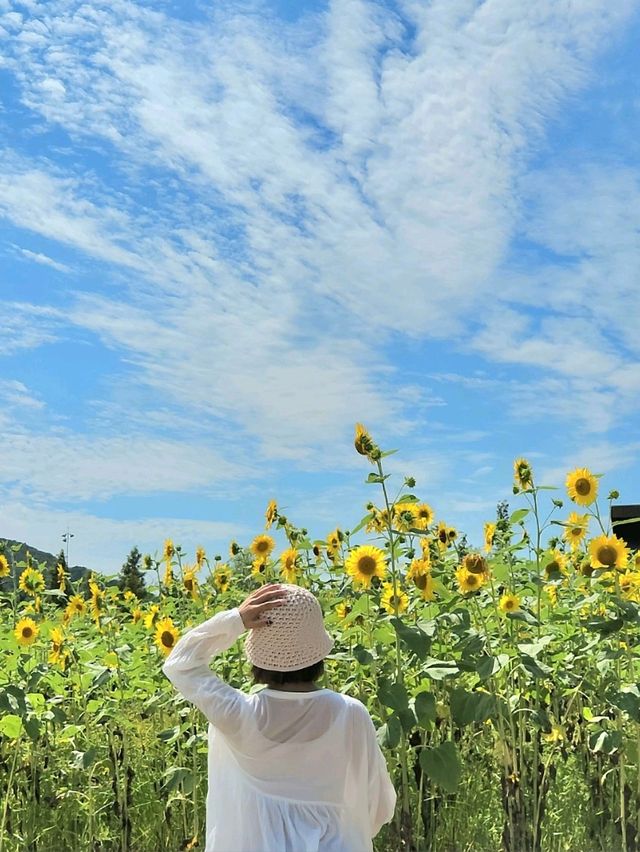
[252, 608]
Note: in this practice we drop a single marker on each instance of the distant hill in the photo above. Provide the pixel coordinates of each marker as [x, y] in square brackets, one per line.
[39, 556]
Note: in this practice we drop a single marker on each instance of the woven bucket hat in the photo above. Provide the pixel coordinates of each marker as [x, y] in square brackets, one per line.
[295, 638]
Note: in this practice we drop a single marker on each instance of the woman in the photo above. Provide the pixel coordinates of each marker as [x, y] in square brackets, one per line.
[293, 767]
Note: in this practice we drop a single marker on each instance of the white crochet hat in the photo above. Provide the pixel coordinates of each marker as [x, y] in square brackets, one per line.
[296, 637]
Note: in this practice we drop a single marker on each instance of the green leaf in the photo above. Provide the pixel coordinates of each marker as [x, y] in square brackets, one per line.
[414, 638]
[376, 478]
[362, 524]
[491, 665]
[11, 726]
[442, 765]
[362, 655]
[605, 626]
[523, 615]
[425, 707]
[468, 707]
[535, 668]
[389, 734]
[439, 669]
[534, 648]
[628, 699]
[518, 515]
[387, 453]
[393, 695]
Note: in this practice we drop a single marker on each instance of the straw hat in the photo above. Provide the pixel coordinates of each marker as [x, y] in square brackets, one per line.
[296, 637]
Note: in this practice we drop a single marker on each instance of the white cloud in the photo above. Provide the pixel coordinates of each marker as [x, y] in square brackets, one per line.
[103, 544]
[43, 259]
[16, 394]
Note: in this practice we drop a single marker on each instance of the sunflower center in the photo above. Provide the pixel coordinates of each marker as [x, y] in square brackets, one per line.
[167, 639]
[510, 604]
[27, 632]
[262, 546]
[472, 580]
[607, 554]
[576, 531]
[583, 486]
[442, 535]
[222, 579]
[366, 565]
[421, 581]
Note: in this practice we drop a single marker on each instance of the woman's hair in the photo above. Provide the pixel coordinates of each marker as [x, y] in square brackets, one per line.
[306, 675]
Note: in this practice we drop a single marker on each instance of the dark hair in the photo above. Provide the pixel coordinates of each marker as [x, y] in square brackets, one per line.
[306, 675]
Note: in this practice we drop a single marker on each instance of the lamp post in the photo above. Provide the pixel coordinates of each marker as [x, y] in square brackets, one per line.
[66, 538]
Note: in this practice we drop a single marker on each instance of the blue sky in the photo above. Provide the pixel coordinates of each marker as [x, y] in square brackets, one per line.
[230, 231]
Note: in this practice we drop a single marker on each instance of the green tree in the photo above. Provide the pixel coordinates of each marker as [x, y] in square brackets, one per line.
[131, 577]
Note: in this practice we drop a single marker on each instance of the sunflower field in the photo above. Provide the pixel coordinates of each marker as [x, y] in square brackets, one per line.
[503, 679]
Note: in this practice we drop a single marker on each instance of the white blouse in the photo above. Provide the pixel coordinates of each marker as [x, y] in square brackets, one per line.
[288, 771]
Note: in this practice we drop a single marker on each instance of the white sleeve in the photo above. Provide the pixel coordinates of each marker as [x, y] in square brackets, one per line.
[187, 667]
[382, 793]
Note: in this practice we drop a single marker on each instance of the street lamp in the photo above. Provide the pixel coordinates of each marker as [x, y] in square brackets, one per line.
[66, 538]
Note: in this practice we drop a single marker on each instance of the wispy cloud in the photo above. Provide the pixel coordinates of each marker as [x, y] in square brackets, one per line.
[43, 259]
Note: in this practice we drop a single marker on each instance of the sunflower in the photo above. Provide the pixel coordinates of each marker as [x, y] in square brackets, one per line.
[271, 514]
[509, 603]
[575, 529]
[418, 567]
[76, 606]
[423, 516]
[221, 578]
[552, 594]
[261, 546]
[555, 565]
[288, 567]
[31, 581]
[391, 600]
[190, 581]
[523, 474]
[468, 582]
[474, 563]
[4, 566]
[166, 635]
[343, 609]
[152, 617]
[582, 486]
[334, 539]
[425, 544]
[259, 569]
[489, 533]
[136, 615]
[424, 583]
[58, 654]
[234, 549]
[26, 631]
[364, 445]
[445, 535]
[365, 562]
[630, 584]
[200, 556]
[403, 516]
[168, 551]
[608, 552]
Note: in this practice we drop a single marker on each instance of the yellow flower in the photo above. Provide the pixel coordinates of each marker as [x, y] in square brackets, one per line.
[200, 556]
[166, 635]
[364, 443]
[509, 603]
[424, 583]
[259, 569]
[136, 615]
[343, 609]
[234, 549]
[152, 617]
[629, 583]
[608, 552]
[582, 486]
[445, 535]
[31, 581]
[190, 581]
[221, 578]
[4, 566]
[555, 565]
[169, 550]
[468, 582]
[261, 546]
[390, 600]
[523, 474]
[110, 660]
[26, 631]
[556, 735]
[403, 516]
[476, 564]
[365, 562]
[575, 529]
[552, 594]
[333, 539]
[271, 514]
[489, 533]
[423, 515]
[76, 606]
[288, 567]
